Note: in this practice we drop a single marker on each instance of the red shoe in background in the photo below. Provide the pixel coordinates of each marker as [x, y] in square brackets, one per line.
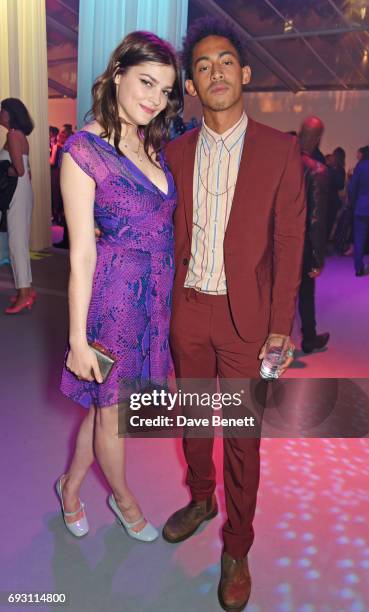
[27, 303]
[32, 294]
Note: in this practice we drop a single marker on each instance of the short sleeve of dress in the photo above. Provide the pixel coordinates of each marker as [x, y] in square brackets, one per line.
[81, 148]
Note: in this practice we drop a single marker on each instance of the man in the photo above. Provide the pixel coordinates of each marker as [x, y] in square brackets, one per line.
[317, 186]
[239, 227]
[358, 190]
[67, 131]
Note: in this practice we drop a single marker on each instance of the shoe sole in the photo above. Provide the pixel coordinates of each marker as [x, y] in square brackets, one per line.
[188, 535]
[230, 608]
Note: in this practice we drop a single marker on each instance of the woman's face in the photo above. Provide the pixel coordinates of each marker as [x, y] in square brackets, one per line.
[142, 91]
[4, 118]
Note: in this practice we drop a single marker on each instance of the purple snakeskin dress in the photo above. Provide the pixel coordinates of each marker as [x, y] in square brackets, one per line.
[130, 305]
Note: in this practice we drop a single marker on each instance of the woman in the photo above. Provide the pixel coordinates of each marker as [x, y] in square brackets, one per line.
[113, 175]
[15, 117]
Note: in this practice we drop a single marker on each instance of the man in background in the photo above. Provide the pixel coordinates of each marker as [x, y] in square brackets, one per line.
[317, 189]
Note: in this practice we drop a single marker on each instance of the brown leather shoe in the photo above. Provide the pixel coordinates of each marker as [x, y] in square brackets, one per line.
[183, 523]
[235, 583]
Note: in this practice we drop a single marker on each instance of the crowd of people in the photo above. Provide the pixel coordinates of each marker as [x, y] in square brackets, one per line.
[344, 211]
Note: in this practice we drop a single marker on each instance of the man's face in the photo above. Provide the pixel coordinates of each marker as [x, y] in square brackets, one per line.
[217, 76]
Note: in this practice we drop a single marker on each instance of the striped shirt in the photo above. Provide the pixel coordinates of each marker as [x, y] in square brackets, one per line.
[217, 162]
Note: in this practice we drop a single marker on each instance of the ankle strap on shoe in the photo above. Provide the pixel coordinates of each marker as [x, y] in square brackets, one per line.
[82, 506]
[135, 523]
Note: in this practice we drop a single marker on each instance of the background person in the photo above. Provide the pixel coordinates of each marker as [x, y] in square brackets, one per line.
[358, 191]
[317, 190]
[16, 119]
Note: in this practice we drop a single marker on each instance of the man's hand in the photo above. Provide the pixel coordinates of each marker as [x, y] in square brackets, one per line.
[314, 272]
[287, 346]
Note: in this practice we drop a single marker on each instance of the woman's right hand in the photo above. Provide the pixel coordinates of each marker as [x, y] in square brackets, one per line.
[82, 362]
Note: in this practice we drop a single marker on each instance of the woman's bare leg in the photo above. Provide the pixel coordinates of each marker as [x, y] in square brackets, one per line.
[82, 460]
[110, 453]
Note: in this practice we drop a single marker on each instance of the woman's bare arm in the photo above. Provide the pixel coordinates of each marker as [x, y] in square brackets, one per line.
[78, 191]
[15, 147]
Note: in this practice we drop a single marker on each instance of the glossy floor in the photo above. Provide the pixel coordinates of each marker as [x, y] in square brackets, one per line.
[311, 551]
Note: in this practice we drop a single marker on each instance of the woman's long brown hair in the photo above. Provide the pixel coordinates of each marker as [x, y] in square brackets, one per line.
[136, 48]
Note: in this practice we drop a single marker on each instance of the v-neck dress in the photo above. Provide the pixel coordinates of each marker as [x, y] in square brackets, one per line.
[129, 312]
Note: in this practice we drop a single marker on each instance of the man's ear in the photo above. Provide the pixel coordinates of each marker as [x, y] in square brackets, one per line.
[190, 88]
[246, 75]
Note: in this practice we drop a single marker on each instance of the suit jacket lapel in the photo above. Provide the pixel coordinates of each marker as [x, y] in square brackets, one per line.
[245, 178]
[188, 174]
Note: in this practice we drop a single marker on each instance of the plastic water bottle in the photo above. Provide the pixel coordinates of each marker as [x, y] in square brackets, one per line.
[273, 359]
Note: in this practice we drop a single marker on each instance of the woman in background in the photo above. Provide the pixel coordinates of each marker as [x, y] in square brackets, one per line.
[15, 117]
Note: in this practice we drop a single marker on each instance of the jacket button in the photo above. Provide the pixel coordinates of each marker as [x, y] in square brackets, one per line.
[185, 261]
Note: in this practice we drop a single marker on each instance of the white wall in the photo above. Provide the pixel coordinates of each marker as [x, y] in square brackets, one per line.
[62, 110]
[344, 113]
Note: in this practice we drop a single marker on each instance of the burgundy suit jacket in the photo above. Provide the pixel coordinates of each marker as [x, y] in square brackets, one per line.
[264, 238]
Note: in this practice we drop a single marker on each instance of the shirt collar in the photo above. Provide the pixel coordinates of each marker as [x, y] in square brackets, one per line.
[228, 138]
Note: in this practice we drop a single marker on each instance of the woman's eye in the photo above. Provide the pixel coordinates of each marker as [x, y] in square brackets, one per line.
[147, 83]
[203, 68]
[228, 62]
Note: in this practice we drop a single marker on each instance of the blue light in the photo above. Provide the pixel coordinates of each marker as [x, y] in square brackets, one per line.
[343, 540]
[283, 561]
[304, 562]
[347, 593]
[312, 574]
[359, 542]
[283, 587]
[352, 579]
[345, 563]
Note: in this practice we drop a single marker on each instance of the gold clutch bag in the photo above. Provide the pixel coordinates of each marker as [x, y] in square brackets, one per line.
[105, 359]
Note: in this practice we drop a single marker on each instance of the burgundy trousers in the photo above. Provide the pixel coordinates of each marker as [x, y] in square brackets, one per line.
[205, 344]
